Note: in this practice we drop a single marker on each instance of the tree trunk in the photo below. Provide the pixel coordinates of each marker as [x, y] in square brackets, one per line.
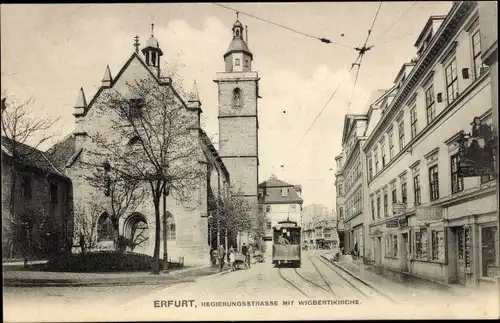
[156, 255]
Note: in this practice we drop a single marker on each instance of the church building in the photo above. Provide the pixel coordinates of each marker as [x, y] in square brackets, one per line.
[235, 164]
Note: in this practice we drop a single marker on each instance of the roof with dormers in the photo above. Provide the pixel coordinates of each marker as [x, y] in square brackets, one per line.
[272, 192]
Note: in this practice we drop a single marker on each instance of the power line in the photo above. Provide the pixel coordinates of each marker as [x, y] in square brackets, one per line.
[355, 81]
[395, 22]
[373, 24]
[324, 107]
[324, 40]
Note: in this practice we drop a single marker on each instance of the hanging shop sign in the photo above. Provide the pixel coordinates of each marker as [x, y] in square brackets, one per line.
[476, 151]
[429, 213]
[403, 223]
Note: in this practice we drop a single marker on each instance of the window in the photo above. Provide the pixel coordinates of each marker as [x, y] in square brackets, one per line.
[171, 230]
[341, 192]
[391, 147]
[376, 161]
[457, 183]
[438, 245]
[293, 208]
[451, 80]
[433, 183]
[416, 187]
[382, 151]
[413, 122]
[386, 202]
[237, 33]
[237, 62]
[370, 168]
[373, 209]
[268, 208]
[490, 177]
[153, 58]
[53, 193]
[104, 228]
[269, 226]
[395, 246]
[476, 54]
[341, 213]
[237, 98]
[421, 244]
[403, 193]
[489, 243]
[429, 104]
[378, 207]
[394, 196]
[26, 187]
[284, 192]
[246, 62]
[401, 130]
[135, 108]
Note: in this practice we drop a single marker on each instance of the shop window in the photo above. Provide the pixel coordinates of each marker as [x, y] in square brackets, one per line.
[489, 244]
[394, 246]
[387, 246]
[421, 238]
[438, 245]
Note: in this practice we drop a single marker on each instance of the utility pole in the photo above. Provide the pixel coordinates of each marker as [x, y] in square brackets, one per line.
[165, 225]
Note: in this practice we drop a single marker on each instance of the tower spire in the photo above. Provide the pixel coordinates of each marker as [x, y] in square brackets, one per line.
[152, 30]
[237, 14]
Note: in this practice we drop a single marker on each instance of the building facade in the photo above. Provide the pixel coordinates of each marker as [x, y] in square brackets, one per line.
[187, 228]
[279, 201]
[37, 214]
[319, 227]
[424, 218]
[238, 88]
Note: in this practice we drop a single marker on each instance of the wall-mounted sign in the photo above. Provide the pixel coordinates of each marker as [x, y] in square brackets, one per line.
[398, 208]
[475, 151]
[429, 213]
[392, 224]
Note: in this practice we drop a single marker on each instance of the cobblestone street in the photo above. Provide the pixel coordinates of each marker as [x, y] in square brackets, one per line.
[229, 295]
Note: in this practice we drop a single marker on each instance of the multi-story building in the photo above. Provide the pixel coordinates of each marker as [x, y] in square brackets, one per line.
[279, 201]
[340, 198]
[424, 218]
[319, 227]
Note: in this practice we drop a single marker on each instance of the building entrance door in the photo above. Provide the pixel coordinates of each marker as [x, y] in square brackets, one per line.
[378, 251]
[405, 250]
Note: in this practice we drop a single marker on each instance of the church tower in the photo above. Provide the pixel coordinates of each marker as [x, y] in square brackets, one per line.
[238, 116]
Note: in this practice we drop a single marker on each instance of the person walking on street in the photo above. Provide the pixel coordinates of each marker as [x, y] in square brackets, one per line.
[244, 251]
[221, 254]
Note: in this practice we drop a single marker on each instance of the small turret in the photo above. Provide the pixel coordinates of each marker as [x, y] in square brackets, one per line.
[152, 53]
[81, 103]
[107, 79]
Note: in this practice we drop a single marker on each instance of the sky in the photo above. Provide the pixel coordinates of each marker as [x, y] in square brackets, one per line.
[49, 51]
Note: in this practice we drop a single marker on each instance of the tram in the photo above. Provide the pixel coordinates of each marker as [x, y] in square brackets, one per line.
[286, 244]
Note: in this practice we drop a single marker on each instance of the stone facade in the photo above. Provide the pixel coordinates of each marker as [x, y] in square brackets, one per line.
[42, 200]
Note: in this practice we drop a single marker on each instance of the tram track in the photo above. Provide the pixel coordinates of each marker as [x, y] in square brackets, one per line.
[349, 281]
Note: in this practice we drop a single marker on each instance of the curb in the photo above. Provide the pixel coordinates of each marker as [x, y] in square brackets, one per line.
[392, 298]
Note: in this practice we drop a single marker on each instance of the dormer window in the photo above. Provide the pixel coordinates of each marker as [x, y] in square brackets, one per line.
[284, 192]
[237, 98]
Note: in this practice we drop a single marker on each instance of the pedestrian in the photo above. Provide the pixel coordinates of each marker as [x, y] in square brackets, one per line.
[250, 254]
[356, 249]
[231, 259]
[213, 257]
[244, 251]
[221, 254]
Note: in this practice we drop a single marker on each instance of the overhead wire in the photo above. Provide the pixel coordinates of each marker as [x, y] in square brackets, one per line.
[395, 22]
[322, 39]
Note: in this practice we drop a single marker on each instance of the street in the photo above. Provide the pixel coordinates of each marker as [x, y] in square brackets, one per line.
[261, 292]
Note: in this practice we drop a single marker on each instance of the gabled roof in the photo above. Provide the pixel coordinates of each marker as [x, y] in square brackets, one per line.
[274, 182]
[61, 153]
[210, 147]
[427, 26]
[272, 192]
[122, 70]
[349, 122]
[30, 157]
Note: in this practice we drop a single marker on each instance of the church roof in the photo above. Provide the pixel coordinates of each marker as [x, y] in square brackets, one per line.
[238, 45]
[60, 154]
[30, 157]
[152, 42]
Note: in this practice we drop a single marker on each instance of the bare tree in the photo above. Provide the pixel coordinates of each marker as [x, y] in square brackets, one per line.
[162, 152]
[20, 126]
[86, 217]
[234, 212]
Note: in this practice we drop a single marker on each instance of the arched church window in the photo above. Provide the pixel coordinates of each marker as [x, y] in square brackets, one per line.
[171, 229]
[104, 228]
[237, 98]
[140, 233]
